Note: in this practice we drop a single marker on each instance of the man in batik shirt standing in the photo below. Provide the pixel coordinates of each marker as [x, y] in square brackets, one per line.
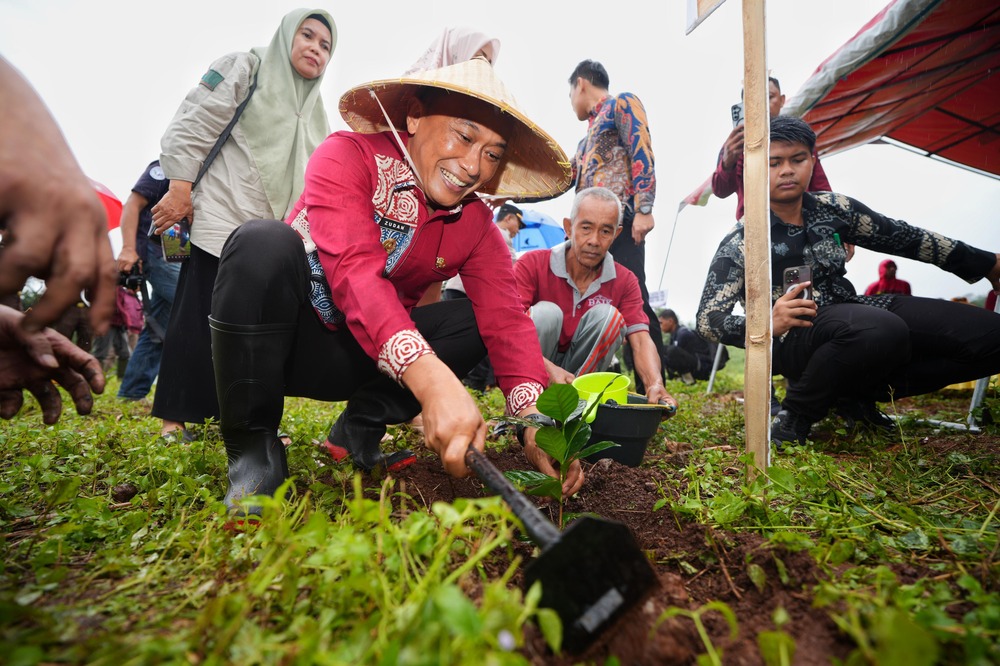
[617, 154]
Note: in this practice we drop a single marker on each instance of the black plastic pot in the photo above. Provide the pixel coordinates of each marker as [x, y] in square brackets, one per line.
[630, 426]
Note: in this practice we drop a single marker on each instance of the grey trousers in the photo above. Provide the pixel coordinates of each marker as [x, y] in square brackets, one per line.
[598, 337]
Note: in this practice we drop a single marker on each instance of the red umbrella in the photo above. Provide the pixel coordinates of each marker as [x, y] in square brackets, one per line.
[112, 206]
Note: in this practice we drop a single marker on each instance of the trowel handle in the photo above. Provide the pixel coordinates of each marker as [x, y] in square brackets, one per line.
[539, 528]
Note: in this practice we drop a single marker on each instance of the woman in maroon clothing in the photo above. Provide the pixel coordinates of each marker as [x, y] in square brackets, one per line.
[325, 307]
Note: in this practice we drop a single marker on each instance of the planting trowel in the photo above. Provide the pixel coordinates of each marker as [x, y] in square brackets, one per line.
[591, 574]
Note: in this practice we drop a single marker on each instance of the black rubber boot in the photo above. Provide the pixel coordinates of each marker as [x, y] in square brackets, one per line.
[359, 429]
[249, 363]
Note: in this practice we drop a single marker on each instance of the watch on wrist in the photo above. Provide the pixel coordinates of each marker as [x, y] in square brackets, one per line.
[540, 419]
[645, 209]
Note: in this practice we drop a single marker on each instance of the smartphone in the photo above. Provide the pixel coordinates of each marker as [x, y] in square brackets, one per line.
[737, 113]
[797, 275]
[176, 242]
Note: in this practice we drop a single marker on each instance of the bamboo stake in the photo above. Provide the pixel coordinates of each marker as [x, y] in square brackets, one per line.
[757, 238]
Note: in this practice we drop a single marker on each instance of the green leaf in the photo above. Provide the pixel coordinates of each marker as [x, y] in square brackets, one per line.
[915, 540]
[757, 576]
[558, 401]
[63, 491]
[551, 626]
[457, 612]
[597, 447]
[841, 552]
[901, 642]
[782, 478]
[727, 507]
[548, 488]
[579, 433]
[776, 647]
[535, 483]
[553, 442]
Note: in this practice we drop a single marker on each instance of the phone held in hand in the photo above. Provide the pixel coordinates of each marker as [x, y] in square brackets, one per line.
[797, 275]
[737, 113]
[176, 242]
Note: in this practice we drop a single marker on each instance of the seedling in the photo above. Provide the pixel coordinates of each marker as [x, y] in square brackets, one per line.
[565, 442]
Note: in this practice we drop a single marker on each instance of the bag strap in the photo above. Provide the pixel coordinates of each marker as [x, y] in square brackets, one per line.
[225, 134]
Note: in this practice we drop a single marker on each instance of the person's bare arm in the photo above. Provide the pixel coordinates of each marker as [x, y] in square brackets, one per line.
[129, 224]
[647, 366]
[54, 226]
[556, 374]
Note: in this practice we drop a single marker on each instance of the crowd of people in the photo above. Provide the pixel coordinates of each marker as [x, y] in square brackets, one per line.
[317, 263]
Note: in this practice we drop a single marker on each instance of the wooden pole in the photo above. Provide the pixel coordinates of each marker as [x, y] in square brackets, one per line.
[757, 235]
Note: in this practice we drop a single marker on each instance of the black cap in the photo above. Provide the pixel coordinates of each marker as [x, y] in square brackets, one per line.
[510, 209]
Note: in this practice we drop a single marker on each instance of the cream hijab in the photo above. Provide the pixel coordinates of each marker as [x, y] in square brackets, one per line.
[456, 45]
[285, 119]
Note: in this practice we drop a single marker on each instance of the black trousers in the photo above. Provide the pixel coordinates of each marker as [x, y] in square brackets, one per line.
[678, 361]
[185, 390]
[633, 257]
[916, 346]
[263, 279]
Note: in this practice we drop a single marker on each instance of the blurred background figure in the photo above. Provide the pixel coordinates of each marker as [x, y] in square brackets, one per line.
[887, 282]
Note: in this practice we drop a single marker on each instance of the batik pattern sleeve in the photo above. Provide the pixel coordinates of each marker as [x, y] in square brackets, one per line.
[204, 114]
[877, 232]
[724, 288]
[633, 132]
[346, 189]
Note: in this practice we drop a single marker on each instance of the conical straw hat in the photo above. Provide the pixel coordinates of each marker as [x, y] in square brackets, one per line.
[534, 166]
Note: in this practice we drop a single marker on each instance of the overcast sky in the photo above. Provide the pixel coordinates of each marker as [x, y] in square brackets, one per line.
[113, 72]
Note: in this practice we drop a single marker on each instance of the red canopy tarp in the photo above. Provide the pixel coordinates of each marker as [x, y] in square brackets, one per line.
[923, 73]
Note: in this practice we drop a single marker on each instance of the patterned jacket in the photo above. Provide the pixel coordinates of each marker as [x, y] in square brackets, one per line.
[617, 152]
[830, 221]
[373, 249]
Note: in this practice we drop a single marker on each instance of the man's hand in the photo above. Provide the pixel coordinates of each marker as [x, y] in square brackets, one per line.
[33, 360]
[545, 464]
[732, 148]
[173, 207]
[994, 275]
[127, 258]
[55, 227]
[657, 395]
[452, 422]
[787, 310]
[556, 374]
[641, 225]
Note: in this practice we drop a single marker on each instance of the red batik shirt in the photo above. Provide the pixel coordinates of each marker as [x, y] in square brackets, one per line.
[374, 249]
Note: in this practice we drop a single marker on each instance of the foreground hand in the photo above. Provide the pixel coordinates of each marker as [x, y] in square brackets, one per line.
[33, 360]
[641, 225]
[173, 207]
[452, 422]
[545, 464]
[994, 275]
[787, 310]
[55, 226]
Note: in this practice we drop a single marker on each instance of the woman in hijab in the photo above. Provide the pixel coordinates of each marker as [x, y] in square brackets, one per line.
[257, 174]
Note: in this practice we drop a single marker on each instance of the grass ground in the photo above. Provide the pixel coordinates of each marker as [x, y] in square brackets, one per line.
[115, 547]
